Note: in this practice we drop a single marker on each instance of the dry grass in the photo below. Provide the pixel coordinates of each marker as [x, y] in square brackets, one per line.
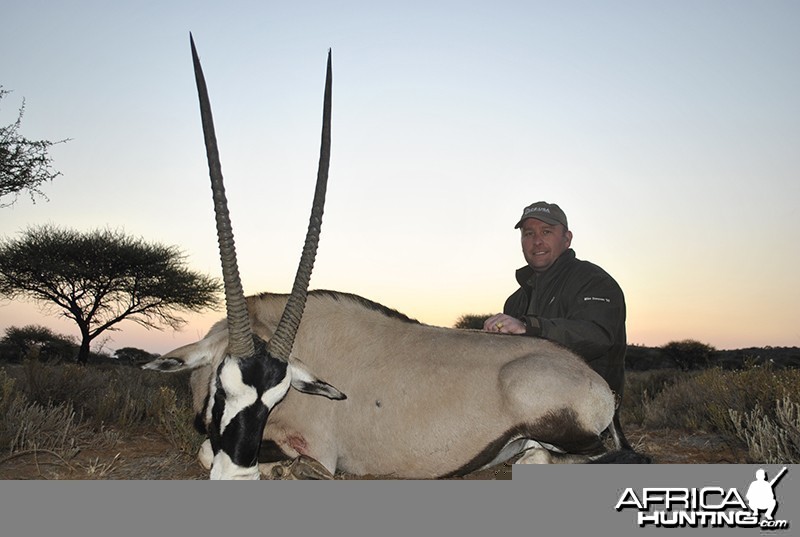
[131, 424]
[52, 413]
[771, 439]
[755, 407]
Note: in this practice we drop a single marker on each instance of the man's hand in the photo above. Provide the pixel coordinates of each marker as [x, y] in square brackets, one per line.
[504, 324]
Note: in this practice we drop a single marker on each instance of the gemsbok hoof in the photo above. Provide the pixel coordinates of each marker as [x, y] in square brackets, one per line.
[301, 468]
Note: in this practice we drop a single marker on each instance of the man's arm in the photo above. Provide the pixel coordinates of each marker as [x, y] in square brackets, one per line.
[589, 327]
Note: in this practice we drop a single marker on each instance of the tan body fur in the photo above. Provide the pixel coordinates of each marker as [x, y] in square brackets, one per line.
[422, 401]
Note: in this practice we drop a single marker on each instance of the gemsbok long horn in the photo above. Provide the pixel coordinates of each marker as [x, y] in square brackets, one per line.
[239, 330]
[280, 345]
[240, 334]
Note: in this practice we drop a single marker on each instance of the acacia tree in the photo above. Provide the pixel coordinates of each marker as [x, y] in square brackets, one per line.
[24, 164]
[102, 277]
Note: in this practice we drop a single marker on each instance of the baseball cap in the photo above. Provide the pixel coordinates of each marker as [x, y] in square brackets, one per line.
[549, 213]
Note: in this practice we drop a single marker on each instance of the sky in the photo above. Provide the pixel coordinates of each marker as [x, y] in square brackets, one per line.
[668, 131]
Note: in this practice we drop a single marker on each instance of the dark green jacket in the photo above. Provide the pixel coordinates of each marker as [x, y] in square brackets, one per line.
[577, 304]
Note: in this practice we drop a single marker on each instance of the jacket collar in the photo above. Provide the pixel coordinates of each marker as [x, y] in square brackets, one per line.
[526, 276]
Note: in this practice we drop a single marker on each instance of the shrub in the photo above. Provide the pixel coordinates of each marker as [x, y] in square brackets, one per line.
[471, 321]
[133, 356]
[773, 440]
[641, 387]
[55, 428]
[689, 354]
[176, 421]
[37, 342]
[716, 401]
[8, 395]
[61, 408]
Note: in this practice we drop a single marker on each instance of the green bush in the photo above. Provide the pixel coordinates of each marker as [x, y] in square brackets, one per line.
[771, 439]
[471, 321]
[38, 343]
[641, 387]
[704, 400]
[689, 354]
[61, 408]
[8, 397]
[176, 421]
[56, 428]
[133, 356]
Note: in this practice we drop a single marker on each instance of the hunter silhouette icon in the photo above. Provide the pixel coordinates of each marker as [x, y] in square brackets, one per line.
[760, 494]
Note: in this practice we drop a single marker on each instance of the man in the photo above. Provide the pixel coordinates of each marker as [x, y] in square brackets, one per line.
[564, 299]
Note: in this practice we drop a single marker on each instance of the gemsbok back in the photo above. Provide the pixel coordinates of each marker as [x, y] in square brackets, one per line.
[421, 401]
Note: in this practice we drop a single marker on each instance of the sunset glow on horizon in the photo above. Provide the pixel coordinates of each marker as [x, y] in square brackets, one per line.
[668, 132]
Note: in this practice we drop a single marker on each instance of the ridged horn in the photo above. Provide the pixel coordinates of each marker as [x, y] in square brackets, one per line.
[280, 345]
[240, 338]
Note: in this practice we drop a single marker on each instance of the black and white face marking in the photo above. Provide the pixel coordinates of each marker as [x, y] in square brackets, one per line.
[244, 393]
[241, 395]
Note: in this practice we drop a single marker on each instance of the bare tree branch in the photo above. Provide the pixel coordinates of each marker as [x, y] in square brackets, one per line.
[24, 164]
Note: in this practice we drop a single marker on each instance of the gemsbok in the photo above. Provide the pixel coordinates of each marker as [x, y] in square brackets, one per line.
[416, 401]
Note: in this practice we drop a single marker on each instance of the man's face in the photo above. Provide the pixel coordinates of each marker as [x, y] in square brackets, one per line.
[542, 243]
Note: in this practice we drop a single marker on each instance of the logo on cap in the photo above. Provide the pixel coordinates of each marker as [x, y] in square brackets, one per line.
[546, 212]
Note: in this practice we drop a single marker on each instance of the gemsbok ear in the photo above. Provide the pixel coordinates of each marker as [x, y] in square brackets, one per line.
[198, 354]
[305, 381]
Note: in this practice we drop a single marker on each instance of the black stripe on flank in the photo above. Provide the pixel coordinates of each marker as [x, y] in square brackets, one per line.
[559, 429]
[270, 451]
[200, 418]
[200, 423]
